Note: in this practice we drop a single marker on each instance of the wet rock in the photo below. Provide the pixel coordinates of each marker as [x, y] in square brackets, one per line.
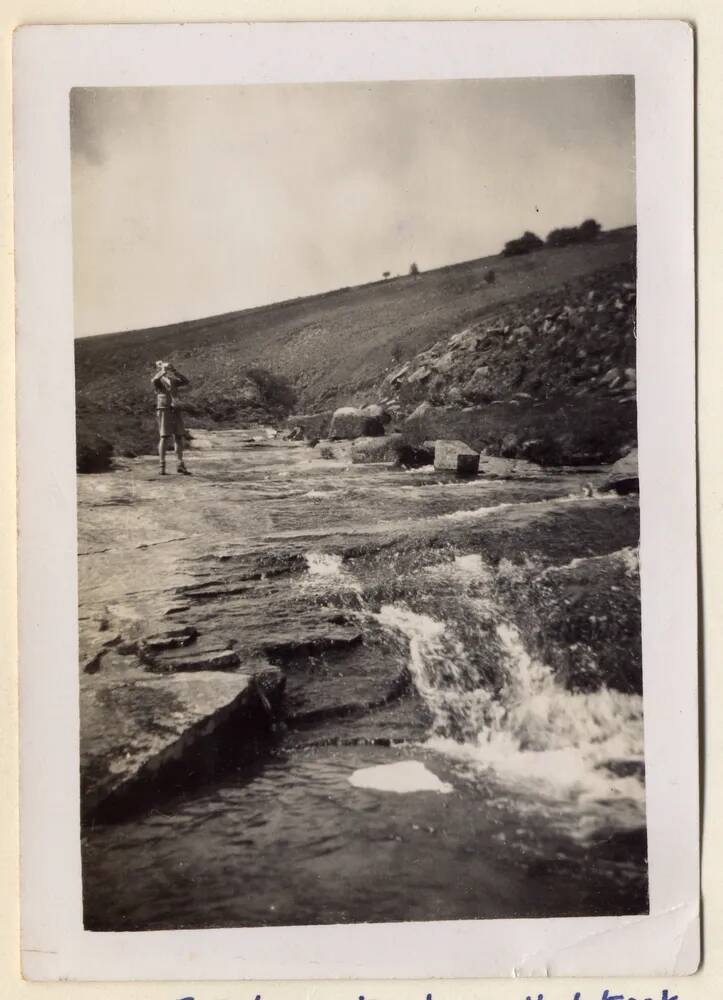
[169, 638]
[455, 456]
[352, 422]
[294, 434]
[214, 657]
[583, 619]
[377, 449]
[284, 649]
[92, 650]
[623, 476]
[145, 736]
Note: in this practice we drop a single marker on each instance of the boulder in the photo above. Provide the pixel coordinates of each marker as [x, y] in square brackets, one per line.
[313, 425]
[445, 363]
[377, 411]
[623, 475]
[376, 449]
[455, 456]
[352, 422]
[467, 340]
[480, 387]
[142, 736]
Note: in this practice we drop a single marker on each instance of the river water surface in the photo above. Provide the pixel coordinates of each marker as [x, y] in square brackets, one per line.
[430, 765]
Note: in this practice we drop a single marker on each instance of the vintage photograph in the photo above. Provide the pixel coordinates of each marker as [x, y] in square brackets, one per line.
[358, 509]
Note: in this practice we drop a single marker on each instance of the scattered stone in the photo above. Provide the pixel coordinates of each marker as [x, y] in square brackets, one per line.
[396, 376]
[445, 363]
[455, 456]
[467, 340]
[420, 375]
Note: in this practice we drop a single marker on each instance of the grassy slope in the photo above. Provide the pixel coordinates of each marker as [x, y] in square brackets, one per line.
[334, 348]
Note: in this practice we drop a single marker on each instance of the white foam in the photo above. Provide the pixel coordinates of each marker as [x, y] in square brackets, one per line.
[403, 777]
[533, 733]
[323, 563]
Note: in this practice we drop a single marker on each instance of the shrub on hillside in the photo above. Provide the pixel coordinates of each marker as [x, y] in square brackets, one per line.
[413, 269]
[278, 393]
[584, 233]
[92, 452]
[490, 277]
[525, 244]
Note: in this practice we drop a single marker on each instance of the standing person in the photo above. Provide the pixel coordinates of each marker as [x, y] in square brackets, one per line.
[167, 381]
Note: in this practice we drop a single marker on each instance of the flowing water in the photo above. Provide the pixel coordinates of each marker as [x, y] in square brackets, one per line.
[432, 764]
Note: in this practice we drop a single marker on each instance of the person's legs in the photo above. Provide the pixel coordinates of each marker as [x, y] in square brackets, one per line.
[162, 452]
[178, 438]
[179, 432]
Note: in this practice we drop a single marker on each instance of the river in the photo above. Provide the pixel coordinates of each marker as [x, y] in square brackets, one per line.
[431, 763]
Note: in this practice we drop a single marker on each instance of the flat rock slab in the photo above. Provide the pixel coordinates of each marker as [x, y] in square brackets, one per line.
[133, 730]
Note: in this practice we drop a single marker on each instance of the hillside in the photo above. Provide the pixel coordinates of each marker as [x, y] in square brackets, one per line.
[327, 350]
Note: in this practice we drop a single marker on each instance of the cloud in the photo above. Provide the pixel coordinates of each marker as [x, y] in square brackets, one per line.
[190, 201]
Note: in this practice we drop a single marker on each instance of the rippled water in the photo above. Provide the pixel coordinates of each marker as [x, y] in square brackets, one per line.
[535, 798]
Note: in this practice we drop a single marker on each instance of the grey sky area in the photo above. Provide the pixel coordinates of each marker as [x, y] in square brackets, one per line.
[193, 201]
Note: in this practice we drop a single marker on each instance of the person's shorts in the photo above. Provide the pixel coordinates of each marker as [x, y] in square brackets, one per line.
[170, 422]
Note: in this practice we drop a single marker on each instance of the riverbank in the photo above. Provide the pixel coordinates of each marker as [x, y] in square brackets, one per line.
[347, 617]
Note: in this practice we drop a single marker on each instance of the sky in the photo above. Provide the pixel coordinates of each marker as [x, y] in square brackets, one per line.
[194, 201]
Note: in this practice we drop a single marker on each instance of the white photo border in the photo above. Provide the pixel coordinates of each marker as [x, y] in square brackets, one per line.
[49, 61]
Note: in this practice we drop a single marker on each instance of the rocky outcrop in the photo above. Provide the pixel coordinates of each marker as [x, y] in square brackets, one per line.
[144, 736]
[558, 432]
[623, 476]
[353, 422]
[553, 373]
[455, 456]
